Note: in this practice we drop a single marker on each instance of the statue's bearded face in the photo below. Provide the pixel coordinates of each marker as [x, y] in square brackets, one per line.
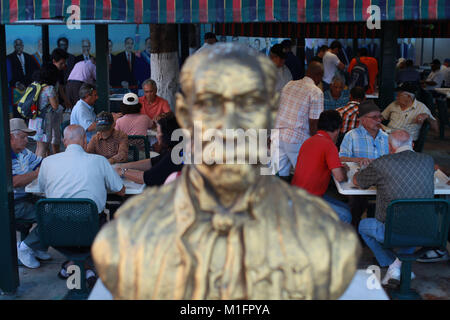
[229, 95]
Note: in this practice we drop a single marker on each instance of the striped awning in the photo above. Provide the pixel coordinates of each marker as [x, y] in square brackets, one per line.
[223, 11]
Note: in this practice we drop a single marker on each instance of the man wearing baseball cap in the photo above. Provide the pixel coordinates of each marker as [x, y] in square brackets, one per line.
[25, 169]
[436, 76]
[278, 57]
[363, 145]
[407, 113]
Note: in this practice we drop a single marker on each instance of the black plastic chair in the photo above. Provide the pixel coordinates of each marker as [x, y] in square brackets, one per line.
[69, 226]
[420, 142]
[140, 141]
[415, 223]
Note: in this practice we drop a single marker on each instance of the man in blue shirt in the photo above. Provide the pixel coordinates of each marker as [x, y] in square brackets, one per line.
[25, 168]
[83, 113]
[408, 74]
[336, 96]
[362, 145]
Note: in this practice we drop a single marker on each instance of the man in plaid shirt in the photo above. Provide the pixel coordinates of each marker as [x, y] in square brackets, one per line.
[301, 103]
[350, 113]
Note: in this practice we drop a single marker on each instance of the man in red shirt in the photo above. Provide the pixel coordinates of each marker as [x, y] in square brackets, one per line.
[318, 159]
[372, 67]
[152, 105]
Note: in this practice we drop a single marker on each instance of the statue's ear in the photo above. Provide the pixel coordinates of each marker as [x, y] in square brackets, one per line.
[183, 112]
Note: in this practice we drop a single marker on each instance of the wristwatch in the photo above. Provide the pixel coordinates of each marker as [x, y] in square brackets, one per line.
[123, 172]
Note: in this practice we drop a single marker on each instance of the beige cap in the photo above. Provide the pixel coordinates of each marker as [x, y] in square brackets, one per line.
[19, 124]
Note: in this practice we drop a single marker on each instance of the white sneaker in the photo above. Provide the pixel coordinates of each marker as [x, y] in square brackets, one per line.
[26, 256]
[393, 273]
[42, 255]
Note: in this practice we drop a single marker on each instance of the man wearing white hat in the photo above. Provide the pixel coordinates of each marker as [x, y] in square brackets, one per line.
[25, 168]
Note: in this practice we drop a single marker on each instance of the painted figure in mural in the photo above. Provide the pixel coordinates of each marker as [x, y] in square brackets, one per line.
[37, 56]
[63, 43]
[124, 66]
[142, 64]
[85, 51]
[22, 66]
[224, 231]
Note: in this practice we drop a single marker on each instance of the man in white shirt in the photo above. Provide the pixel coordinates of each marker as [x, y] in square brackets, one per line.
[436, 77]
[278, 57]
[77, 174]
[446, 71]
[331, 63]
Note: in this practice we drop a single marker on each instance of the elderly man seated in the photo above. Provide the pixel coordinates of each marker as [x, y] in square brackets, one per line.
[25, 168]
[336, 96]
[109, 142]
[407, 113]
[363, 145]
[77, 174]
[402, 174]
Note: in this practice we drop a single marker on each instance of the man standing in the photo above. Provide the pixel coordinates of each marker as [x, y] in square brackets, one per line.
[152, 105]
[292, 61]
[25, 168]
[372, 67]
[82, 72]
[403, 174]
[407, 113]
[278, 57]
[318, 159]
[301, 103]
[77, 174]
[331, 64]
[83, 112]
[320, 53]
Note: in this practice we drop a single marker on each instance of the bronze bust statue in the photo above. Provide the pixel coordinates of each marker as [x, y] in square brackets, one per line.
[223, 231]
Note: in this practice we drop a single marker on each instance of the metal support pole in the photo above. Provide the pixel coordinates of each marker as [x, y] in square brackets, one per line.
[102, 68]
[45, 43]
[389, 34]
[9, 276]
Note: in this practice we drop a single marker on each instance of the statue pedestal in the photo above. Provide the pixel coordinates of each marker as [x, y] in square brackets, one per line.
[357, 290]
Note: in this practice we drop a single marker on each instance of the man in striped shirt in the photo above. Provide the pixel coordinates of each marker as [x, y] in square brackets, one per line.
[301, 103]
[407, 113]
[350, 113]
[25, 168]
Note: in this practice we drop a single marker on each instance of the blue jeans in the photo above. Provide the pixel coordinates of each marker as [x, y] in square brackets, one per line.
[342, 210]
[372, 232]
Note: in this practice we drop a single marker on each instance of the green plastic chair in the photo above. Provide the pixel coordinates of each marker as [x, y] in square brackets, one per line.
[69, 226]
[415, 223]
[144, 142]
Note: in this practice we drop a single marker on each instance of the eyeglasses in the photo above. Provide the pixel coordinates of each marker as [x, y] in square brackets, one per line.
[375, 117]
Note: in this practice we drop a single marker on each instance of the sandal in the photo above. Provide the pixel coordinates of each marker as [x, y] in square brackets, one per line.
[63, 274]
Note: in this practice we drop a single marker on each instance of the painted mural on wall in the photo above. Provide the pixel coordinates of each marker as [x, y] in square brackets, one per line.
[129, 56]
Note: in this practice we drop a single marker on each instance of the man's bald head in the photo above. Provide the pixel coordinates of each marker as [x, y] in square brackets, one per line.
[74, 134]
[315, 71]
[399, 138]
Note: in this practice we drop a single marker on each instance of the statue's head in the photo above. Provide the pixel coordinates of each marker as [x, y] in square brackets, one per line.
[227, 86]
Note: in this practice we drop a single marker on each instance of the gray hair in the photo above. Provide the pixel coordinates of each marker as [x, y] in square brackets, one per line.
[150, 82]
[337, 78]
[400, 138]
[85, 90]
[74, 132]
